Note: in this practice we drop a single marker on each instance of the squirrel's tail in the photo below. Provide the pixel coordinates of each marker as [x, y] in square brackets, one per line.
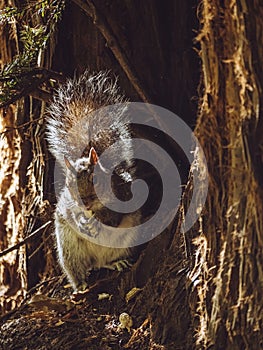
[75, 116]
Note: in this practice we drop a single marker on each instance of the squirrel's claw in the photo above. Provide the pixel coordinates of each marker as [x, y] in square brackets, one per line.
[119, 265]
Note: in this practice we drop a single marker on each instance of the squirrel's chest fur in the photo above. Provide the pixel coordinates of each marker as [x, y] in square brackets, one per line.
[73, 248]
[77, 254]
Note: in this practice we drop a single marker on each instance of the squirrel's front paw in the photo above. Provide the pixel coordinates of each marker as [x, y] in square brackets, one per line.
[94, 226]
[89, 225]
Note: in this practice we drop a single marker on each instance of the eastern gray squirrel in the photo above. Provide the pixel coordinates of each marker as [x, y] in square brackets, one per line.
[79, 130]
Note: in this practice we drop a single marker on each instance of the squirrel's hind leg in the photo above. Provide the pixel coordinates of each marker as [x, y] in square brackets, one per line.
[72, 253]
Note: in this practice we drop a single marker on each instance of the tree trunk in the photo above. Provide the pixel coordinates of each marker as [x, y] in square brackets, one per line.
[230, 129]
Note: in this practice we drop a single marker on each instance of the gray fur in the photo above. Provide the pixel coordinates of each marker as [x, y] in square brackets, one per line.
[75, 123]
[76, 115]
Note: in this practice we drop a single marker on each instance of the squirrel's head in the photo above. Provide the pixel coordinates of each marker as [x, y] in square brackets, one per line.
[83, 181]
[80, 179]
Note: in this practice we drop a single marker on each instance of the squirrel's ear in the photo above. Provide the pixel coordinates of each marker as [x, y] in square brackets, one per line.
[70, 166]
[93, 156]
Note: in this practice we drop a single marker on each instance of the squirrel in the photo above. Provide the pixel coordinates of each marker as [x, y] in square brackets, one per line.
[79, 130]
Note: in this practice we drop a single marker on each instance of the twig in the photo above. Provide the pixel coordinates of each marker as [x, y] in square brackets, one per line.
[48, 74]
[25, 240]
[32, 89]
[24, 92]
[9, 129]
[41, 95]
[98, 19]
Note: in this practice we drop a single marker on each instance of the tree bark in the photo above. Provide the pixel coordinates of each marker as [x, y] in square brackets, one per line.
[229, 297]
